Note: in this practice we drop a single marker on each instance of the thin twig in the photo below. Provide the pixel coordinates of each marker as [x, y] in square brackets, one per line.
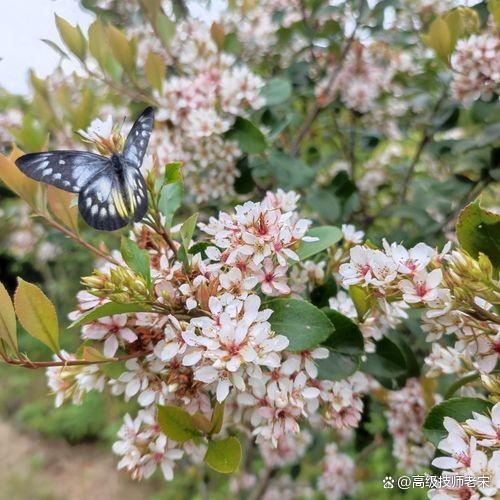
[264, 481]
[75, 237]
[317, 107]
[425, 139]
[27, 363]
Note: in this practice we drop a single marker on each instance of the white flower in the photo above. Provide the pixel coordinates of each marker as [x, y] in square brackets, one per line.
[351, 235]
[113, 329]
[423, 287]
[486, 429]
[98, 130]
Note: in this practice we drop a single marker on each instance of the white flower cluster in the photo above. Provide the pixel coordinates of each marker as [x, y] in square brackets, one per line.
[198, 104]
[476, 65]
[418, 278]
[472, 449]
[367, 72]
[220, 346]
[337, 479]
[405, 417]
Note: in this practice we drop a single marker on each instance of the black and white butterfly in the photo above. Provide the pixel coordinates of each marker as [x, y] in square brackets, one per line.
[112, 191]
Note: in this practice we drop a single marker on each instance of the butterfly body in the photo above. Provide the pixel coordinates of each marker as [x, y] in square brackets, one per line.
[111, 190]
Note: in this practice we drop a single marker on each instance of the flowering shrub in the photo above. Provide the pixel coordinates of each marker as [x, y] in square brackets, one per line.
[316, 280]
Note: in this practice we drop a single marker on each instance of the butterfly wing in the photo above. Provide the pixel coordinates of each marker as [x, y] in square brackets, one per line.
[138, 138]
[102, 203]
[67, 170]
[136, 192]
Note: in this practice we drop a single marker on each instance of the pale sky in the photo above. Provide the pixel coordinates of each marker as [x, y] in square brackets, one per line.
[23, 23]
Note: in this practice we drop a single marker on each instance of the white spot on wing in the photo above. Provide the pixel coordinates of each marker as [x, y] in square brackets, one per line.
[103, 213]
[62, 162]
[89, 202]
[57, 177]
[47, 171]
[94, 209]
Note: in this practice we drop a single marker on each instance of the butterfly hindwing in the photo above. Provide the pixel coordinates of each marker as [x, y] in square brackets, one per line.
[67, 170]
[103, 204]
[138, 138]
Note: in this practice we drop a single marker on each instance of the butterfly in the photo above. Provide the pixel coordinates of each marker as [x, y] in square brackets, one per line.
[111, 191]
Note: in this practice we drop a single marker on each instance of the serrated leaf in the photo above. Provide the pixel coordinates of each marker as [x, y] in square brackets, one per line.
[92, 354]
[176, 423]
[8, 327]
[73, 37]
[37, 314]
[173, 172]
[327, 237]
[187, 230]
[108, 309]
[154, 69]
[15, 180]
[55, 47]
[303, 324]
[217, 34]
[136, 258]
[248, 136]
[459, 409]
[361, 299]
[217, 418]
[60, 204]
[439, 38]
[224, 456]
[170, 200]
[478, 231]
[165, 28]
[122, 49]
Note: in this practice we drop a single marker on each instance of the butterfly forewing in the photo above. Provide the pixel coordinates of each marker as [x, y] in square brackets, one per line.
[68, 170]
[138, 138]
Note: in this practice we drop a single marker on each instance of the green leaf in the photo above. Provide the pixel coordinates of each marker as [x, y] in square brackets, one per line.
[250, 139]
[173, 172]
[187, 230]
[165, 28]
[170, 200]
[440, 39]
[303, 324]
[108, 309]
[277, 91]
[327, 237]
[337, 366]
[55, 47]
[386, 362]
[73, 37]
[122, 49]
[290, 172]
[154, 69]
[200, 247]
[217, 418]
[136, 258]
[8, 327]
[224, 456]
[494, 8]
[37, 314]
[176, 423]
[361, 298]
[459, 409]
[347, 337]
[478, 230]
